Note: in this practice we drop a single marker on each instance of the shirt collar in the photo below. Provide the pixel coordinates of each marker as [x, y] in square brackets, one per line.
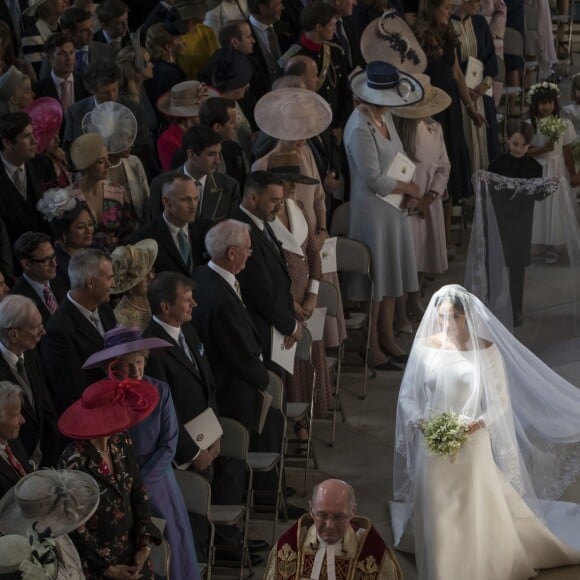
[257, 24]
[172, 331]
[202, 179]
[11, 168]
[84, 311]
[227, 276]
[259, 223]
[38, 287]
[8, 355]
[59, 80]
[173, 229]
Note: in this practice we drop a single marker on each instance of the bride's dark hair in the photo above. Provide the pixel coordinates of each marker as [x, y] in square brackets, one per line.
[455, 300]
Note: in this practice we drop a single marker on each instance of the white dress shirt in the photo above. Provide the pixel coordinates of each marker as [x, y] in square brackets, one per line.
[201, 180]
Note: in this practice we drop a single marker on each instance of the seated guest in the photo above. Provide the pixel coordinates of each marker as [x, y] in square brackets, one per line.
[154, 443]
[218, 194]
[76, 329]
[224, 325]
[133, 269]
[37, 258]
[164, 43]
[111, 546]
[72, 227]
[351, 541]
[15, 91]
[23, 176]
[113, 17]
[61, 83]
[14, 463]
[177, 231]
[181, 107]
[46, 119]
[106, 201]
[20, 331]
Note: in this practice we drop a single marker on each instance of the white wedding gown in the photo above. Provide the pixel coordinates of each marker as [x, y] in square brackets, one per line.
[469, 522]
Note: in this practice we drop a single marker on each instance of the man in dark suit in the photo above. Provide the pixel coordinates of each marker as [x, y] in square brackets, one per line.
[61, 83]
[11, 14]
[177, 231]
[265, 282]
[346, 34]
[76, 329]
[24, 177]
[113, 16]
[225, 326]
[218, 193]
[21, 329]
[35, 254]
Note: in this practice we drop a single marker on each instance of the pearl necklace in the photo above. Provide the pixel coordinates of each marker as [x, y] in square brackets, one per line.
[378, 122]
[116, 166]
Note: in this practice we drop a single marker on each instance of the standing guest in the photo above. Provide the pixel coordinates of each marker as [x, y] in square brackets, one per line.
[14, 463]
[200, 40]
[224, 325]
[36, 256]
[372, 143]
[77, 22]
[133, 269]
[224, 13]
[11, 24]
[116, 541]
[46, 14]
[20, 331]
[113, 17]
[177, 231]
[154, 443]
[346, 34]
[107, 202]
[61, 82]
[181, 107]
[9, 56]
[72, 227]
[218, 193]
[76, 329]
[46, 119]
[23, 176]
[15, 91]
[163, 12]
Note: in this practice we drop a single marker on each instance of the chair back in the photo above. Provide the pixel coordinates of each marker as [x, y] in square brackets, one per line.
[352, 256]
[275, 389]
[304, 346]
[340, 220]
[196, 492]
[328, 298]
[236, 440]
[513, 42]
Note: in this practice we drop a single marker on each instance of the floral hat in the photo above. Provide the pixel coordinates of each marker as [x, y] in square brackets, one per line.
[543, 92]
[132, 263]
[46, 118]
[55, 203]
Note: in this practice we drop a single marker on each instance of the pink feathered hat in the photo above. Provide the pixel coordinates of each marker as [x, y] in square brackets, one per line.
[46, 118]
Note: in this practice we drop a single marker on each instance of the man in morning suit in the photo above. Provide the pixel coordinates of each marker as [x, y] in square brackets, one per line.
[218, 193]
[24, 177]
[21, 329]
[177, 231]
[34, 252]
[223, 323]
[75, 331]
[265, 282]
[113, 16]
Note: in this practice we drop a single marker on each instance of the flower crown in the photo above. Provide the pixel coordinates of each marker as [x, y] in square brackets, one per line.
[545, 89]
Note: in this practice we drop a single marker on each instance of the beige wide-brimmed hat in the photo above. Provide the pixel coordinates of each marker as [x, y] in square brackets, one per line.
[132, 263]
[14, 550]
[390, 39]
[384, 85]
[115, 123]
[434, 101]
[184, 99]
[59, 499]
[85, 150]
[292, 114]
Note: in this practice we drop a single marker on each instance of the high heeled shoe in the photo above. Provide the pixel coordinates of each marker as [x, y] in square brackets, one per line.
[398, 358]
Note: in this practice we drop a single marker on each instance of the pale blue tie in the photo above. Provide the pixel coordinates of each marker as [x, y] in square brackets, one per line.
[184, 248]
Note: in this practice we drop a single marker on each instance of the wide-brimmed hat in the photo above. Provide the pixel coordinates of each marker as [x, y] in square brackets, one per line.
[292, 114]
[132, 263]
[231, 70]
[9, 82]
[107, 407]
[434, 101]
[384, 85]
[390, 39]
[85, 150]
[184, 99]
[14, 549]
[115, 123]
[59, 499]
[188, 9]
[46, 117]
[286, 165]
[123, 340]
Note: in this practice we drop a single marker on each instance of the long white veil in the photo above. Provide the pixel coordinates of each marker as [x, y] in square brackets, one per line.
[530, 412]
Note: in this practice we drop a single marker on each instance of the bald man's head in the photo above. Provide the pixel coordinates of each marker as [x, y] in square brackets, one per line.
[332, 507]
[303, 66]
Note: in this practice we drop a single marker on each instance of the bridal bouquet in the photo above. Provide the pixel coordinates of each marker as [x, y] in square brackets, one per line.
[445, 435]
[552, 127]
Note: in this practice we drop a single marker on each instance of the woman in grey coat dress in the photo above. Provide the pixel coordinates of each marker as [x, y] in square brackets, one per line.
[372, 143]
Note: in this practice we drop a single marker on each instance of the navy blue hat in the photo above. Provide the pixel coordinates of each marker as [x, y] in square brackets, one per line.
[232, 70]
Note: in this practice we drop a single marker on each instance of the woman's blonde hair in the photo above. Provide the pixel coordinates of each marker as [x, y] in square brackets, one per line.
[131, 72]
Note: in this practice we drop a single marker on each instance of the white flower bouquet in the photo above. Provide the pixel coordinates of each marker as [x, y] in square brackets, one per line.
[552, 127]
[445, 435]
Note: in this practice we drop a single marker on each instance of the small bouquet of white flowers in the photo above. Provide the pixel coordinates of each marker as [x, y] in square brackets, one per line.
[445, 435]
[552, 127]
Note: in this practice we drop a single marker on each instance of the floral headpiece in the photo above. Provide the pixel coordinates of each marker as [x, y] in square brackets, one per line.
[541, 91]
[55, 203]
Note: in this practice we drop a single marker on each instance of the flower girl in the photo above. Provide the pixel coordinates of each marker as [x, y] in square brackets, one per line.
[551, 146]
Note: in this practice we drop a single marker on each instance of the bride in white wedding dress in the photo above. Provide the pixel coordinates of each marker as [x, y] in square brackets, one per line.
[491, 513]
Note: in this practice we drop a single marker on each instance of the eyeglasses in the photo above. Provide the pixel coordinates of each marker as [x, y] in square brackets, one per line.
[43, 261]
[248, 251]
[336, 518]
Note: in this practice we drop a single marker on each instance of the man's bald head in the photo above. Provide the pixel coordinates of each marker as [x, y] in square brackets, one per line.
[332, 506]
[303, 66]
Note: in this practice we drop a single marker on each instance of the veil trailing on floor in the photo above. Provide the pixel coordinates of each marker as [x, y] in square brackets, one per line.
[529, 411]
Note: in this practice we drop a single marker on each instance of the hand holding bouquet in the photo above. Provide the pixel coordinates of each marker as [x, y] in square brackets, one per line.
[445, 435]
[552, 127]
